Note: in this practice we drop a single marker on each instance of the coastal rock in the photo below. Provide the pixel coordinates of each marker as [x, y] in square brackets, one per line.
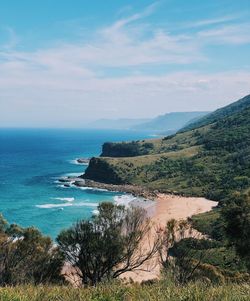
[139, 191]
[83, 160]
[99, 170]
[64, 180]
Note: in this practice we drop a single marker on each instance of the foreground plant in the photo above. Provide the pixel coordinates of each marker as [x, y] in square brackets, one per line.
[110, 244]
[26, 256]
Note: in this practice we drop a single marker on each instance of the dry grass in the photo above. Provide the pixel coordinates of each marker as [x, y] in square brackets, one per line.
[161, 291]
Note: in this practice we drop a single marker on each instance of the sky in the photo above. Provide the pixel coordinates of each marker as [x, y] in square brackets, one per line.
[64, 63]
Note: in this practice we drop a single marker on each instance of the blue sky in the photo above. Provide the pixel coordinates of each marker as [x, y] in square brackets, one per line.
[63, 63]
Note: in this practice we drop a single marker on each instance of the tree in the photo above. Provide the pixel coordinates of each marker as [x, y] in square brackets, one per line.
[237, 218]
[26, 256]
[109, 244]
[180, 260]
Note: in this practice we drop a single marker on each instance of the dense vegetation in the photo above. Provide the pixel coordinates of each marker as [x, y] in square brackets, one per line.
[26, 256]
[211, 161]
[233, 108]
[210, 158]
[109, 244]
[128, 149]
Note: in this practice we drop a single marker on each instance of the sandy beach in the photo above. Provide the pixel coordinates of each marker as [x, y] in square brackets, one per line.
[178, 207]
[165, 208]
[160, 207]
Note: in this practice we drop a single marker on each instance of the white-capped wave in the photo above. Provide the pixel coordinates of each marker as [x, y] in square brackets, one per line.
[65, 199]
[47, 206]
[91, 188]
[72, 174]
[80, 204]
[63, 186]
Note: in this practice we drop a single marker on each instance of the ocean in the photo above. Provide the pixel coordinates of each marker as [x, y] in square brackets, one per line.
[32, 161]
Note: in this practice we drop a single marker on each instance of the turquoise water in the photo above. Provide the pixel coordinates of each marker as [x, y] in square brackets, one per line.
[31, 161]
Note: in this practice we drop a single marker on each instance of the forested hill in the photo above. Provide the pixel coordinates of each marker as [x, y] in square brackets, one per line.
[211, 160]
[233, 108]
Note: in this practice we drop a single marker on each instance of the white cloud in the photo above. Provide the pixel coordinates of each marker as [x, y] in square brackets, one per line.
[235, 34]
[212, 21]
[71, 81]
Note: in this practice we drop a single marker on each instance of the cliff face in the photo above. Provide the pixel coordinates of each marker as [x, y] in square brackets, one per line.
[126, 149]
[101, 171]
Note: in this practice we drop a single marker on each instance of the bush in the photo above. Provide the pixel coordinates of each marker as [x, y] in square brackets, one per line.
[26, 256]
[109, 244]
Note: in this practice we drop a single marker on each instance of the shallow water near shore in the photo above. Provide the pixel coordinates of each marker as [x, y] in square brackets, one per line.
[32, 161]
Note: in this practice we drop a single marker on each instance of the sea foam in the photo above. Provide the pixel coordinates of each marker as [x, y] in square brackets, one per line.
[124, 200]
[91, 188]
[80, 204]
[72, 174]
[77, 163]
[47, 206]
[65, 199]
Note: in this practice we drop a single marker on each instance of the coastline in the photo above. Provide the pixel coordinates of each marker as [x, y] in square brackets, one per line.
[138, 191]
[160, 208]
[166, 205]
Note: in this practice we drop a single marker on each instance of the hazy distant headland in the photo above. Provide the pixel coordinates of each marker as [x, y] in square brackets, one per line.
[163, 124]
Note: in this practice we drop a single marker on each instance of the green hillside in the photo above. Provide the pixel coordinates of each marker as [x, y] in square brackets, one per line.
[211, 160]
[233, 108]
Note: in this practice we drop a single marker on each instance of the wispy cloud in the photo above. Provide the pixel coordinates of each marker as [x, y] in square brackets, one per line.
[211, 21]
[137, 16]
[72, 78]
[227, 34]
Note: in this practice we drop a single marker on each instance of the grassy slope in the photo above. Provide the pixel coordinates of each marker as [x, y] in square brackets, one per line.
[210, 161]
[232, 108]
[161, 291]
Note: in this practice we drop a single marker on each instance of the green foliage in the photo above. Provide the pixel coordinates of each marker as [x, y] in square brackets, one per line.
[209, 158]
[210, 223]
[108, 245]
[126, 149]
[26, 256]
[211, 161]
[102, 171]
[210, 252]
[231, 109]
[237, 218]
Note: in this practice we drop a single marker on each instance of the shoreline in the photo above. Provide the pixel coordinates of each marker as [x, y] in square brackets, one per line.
[165, 208]
[172, 204]
[160, 207]
[138, 191]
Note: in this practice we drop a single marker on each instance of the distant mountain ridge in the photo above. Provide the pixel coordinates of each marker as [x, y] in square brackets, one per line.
[168, 123]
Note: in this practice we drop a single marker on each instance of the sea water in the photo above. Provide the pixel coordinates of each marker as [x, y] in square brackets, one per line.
[32, 161]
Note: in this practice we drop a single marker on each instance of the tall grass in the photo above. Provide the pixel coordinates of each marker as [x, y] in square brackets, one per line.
[161, 291]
